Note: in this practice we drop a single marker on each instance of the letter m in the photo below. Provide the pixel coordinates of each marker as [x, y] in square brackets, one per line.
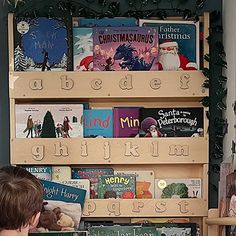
[178, 150]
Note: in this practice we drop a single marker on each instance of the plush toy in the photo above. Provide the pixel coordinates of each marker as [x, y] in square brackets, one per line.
[48, 219]
[65, 221]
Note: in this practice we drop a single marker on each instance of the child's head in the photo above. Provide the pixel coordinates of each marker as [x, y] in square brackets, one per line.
[21, 198]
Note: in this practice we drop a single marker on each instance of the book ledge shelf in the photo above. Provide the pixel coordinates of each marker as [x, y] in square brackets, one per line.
[214, 219]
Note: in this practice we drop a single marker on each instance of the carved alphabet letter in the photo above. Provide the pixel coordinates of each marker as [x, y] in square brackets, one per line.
[155, 149]
[106, 151]
[84, 149]
[184, 80]
[131, 150]
[66, 83]
[126, 83]
[38, 152]
[96, 84]
[155, 84]
[36, 84]
[160, 207]
[137, 206]
[60, 150]
[183, 207]
[179, 150]
[89, 207]
[114, 207]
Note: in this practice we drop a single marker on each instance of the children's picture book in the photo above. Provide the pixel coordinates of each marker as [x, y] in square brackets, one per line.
[98, 123]
[49, 120]
[231, 194]
[126, 121]
[42, 44]
[92, 174]
[178, 43]
[105, 22]
[83, 49]
[172, 122]
[62, 207]
[117, 186]
[78, 183]
[60, 173]
[41, 172]
[178, 188]
[144, 182]
[125, 48]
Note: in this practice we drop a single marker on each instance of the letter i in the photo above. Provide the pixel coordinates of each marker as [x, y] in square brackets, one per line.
[106, 151]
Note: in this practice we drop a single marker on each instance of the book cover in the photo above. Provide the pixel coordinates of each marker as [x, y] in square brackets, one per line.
[178, 44]
[60, 173]
[78, 183]
[172, 122]
[104, 22]
[117, 186]
[144, 182]
[98, 123]
[125, 48]
[231, 194]
[42, 44]
[92, 174]
[62, 207]
[178, 188]
[49, 120]
[41, 172]
[82, 49]
[126, 121]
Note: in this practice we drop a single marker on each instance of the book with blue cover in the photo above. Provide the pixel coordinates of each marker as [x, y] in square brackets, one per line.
[98, 123]
[178, 43]
[42, 44]
[114, 22]
[40, 172]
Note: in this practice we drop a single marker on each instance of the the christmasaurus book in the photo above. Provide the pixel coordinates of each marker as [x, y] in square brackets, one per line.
[178, 188]
[117, 186]
[62, 208]
[49, 120]
[126, 121]
[104, 22]
[82, 49]
[92, 174]
[178, 43]
[125, 48]
[41, 172]
[172, 122]
[42, 44]
[98, 123]
[144, 182]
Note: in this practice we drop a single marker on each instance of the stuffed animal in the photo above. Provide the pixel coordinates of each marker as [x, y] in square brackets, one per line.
[65, 221]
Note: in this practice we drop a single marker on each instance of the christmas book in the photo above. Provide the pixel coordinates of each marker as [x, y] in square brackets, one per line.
[82, 49]
[104, 22]
[125, 48]
[62, 206]
[126, 121]
[144, 182]
[178, 188]
[42, 44]
[41, 172]
[98, 123]
[171, 122]
[117, 186]
[92, 174]
[178, 43]
[49, 120]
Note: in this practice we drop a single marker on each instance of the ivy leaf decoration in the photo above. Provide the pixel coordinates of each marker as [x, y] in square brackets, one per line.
[206, 72]
[222, 79]
[206, 84]
[200, 4]
[207, 57]
[205, 101]
[215, 16]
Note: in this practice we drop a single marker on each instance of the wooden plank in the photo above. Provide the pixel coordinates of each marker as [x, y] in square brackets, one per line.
[145, 208]
[109, 151]
[138, 84]
[206, 25]
[213, 230]
[11, 42]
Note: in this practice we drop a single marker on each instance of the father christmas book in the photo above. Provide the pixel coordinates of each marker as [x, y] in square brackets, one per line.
[171, 122]
[178, 43]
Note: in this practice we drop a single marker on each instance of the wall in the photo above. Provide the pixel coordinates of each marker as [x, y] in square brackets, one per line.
[229, 38]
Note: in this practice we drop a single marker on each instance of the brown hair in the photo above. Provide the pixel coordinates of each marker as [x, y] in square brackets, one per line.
[21, 197]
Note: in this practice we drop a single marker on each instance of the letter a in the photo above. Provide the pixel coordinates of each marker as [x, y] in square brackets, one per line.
[36, 84]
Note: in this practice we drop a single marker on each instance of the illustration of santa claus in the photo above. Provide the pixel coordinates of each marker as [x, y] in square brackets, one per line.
[170, 59]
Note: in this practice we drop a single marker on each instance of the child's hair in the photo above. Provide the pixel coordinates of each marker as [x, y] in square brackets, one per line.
[21, 197]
